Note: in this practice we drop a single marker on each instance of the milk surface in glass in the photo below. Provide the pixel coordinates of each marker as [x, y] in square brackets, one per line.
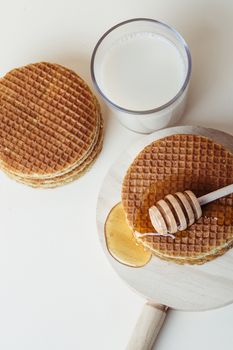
[142, 71]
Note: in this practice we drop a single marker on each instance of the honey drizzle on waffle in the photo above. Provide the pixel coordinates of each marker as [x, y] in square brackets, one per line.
[173, 164]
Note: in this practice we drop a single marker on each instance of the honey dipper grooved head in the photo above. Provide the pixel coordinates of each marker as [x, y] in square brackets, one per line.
[175, 212]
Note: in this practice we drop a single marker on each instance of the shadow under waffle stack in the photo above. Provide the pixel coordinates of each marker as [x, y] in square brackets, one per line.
[51, 129]
[177, 163]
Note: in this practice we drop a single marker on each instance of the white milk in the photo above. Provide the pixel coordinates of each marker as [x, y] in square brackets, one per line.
[142, 71]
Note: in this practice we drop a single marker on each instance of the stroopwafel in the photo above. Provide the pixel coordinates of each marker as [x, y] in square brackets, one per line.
[50, 124]
[177, 163]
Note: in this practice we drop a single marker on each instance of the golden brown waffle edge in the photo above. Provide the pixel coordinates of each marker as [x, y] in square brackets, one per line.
[177, 163]
[51, 128]
[68, 177]
[48, 120]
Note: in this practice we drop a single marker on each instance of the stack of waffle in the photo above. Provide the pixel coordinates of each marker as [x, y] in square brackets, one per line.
[51, 129]
[177, 163]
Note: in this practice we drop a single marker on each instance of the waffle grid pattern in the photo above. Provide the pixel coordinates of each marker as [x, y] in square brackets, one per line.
[177, 163]
[49, 120]
[70, 176]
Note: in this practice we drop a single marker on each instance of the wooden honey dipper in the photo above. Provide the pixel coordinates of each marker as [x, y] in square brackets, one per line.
[177, 212]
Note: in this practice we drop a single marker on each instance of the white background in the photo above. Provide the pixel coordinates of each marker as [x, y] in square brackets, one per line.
[57, 290]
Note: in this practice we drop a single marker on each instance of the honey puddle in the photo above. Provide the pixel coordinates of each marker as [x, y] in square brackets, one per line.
[121, 242]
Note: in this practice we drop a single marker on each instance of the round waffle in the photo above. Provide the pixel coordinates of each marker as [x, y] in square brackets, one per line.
[177, 163]
[50, 124]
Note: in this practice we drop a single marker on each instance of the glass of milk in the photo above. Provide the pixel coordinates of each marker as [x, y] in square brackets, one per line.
[142, 68]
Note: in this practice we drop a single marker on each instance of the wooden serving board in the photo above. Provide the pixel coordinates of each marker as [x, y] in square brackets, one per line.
[183, 287]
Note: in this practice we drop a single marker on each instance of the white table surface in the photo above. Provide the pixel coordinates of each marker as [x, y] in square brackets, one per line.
[57, 290]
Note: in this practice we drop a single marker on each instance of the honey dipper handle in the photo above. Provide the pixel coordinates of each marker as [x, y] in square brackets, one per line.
[147, 327]
[212, 196]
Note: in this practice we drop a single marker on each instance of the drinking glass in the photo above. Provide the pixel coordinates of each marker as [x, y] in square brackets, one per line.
[143, 121]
